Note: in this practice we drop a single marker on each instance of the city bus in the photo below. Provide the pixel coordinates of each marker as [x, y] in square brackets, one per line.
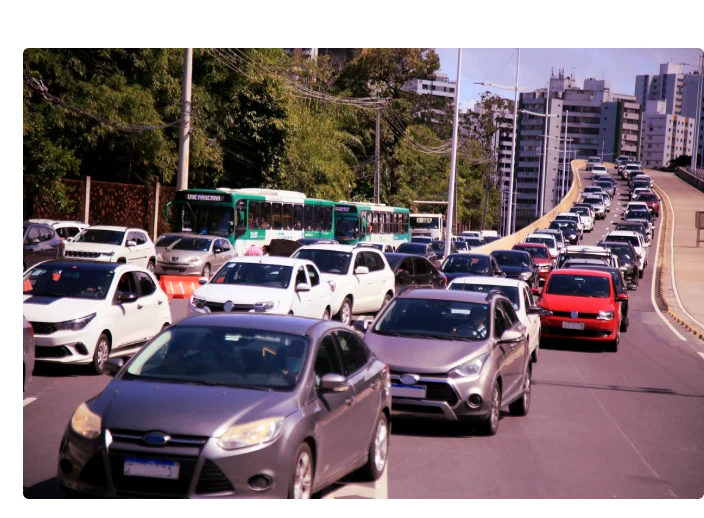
[369, 222]
[427, 225]
[251, 216]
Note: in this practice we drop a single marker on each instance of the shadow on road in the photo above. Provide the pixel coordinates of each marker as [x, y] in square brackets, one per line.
[56, 370]
[46, 489]
[573, 346]
[423, 428]
[645, 390]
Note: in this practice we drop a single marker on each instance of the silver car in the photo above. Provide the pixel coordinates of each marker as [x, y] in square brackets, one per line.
[454, 355]
[234, 406]
[194, 255]
[28, 364]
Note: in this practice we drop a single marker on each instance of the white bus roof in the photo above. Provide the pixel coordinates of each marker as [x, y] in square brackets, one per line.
[425, 215]
[274, 193]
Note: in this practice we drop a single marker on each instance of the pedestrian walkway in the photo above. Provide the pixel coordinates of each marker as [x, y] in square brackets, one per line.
[685, 287]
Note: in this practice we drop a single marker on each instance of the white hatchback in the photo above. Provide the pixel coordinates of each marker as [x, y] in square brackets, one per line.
[265, 284]
[83, 311]
[361, 278]
[113, 245]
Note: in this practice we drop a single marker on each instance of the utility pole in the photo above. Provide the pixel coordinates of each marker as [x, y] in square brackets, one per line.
[564, 160]
[453, 160]
[602, 150]
[377, 156]
[184, 141]
[513, 148]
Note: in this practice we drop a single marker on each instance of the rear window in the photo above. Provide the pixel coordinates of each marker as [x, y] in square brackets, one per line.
[624, 239]
[535, 251]
[544, 240]
[579, 286]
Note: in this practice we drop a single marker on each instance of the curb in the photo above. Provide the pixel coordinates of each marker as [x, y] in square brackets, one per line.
[661, 284]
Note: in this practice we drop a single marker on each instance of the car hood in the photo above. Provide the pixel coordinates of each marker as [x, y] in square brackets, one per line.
[186, 409]
[91, 247]
[579, 304]
[422, 356]
[181, 256]
[52, 309]
[241, 294]
[541, 260]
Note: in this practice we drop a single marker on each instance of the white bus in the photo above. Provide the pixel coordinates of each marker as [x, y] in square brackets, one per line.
[427, 225]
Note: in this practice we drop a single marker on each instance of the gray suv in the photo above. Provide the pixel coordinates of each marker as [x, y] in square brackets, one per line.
[454, 355]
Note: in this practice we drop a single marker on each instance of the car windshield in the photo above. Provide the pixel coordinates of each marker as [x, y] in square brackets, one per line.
[254, 274]
[444, 319]
[511, 292]
[327, 261]
[474, 242]
[624, 239]
[193, 244]
[623, 253]
[579, 286]
[593, 199]
[536, 251]
[74, 281]
[466, 264]
[635, 227]
[412, 248]
[394, 259]
[511, 258]
[544, 240]
[647, 197]
[166, 241]
[460, 245]
[346, 227]
[104, 237]
[222, 356]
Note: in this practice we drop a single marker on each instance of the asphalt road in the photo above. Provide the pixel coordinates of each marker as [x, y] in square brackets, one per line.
[601, 425]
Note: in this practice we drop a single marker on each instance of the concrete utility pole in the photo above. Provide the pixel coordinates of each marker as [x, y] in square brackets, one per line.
[184, 141]
[377, 156]
[511, 226]
[453, 161]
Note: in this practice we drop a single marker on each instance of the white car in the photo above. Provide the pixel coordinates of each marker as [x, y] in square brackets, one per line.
[521, 298]
[546, 239]
[599, 171]
[382, 247]
[587, 216]
[472, 233]
[113, 245]
[571, 216]
[66, 230]
[82, 311]
[593, 161]
[636, 239]
[265, 284]
[362, 280]
[643, 178]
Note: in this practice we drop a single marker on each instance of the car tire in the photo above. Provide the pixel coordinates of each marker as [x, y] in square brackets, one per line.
[521, 406]
[150, 265]
[624, 325]
[491, 424]
[302, 475]
[535, 354]
[378, 451]
[345, 313]
[101, 353]
[612, 346]
[387, 299]
[206, 270]
[640, 274]
[326, 314]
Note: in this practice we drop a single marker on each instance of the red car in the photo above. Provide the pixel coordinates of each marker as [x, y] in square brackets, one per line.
[541, 257]
[652, 201]
[582, 304]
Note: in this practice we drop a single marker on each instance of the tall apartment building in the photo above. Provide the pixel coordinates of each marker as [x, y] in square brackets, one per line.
[665, 136]
[672, 86]
[439, 85]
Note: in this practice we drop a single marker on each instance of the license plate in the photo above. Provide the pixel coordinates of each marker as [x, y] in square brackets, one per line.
[173, 272]
[409, 391]
[151, 468]
[573, 325]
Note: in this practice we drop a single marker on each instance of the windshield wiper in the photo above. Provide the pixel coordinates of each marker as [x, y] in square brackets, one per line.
[389, 333]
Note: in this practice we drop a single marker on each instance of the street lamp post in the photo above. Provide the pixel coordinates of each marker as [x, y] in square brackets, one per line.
[453, 161]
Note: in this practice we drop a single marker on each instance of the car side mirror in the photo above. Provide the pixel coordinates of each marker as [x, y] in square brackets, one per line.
[361, 325]
[126, 297]
[131, 243]
[302, 286]
[203, 280]
[510, 336]
[333, 383]
[112, 366]
[361, 270]
[622, 296]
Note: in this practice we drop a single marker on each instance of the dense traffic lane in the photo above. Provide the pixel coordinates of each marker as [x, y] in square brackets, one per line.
[601, 425]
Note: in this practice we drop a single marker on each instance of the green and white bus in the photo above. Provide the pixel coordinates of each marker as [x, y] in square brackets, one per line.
[251, 216]
[368, 222]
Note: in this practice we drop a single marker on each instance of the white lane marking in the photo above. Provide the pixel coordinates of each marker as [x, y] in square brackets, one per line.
[27, 401]
[701, 354]
[652, 291]
[672, 262]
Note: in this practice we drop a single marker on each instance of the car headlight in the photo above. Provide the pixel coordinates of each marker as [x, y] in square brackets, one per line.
[194, 260]
[266, 306]
[524, 276]
[251, 434]
[605, 315]
[85, 422]
[471, 368]
[573, 236]
[76, 324]
[197, 302]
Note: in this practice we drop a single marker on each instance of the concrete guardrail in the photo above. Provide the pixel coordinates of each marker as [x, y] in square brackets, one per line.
[694, 181]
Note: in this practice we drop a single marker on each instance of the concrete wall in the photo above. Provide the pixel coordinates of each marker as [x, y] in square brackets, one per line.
[697, 183]
[506, 243]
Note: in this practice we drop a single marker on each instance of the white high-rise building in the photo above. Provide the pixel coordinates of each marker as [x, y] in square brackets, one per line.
[439, 85]
[665, 136]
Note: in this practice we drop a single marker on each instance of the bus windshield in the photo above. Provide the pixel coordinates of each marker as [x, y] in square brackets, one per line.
[214, 220]
[346, 228]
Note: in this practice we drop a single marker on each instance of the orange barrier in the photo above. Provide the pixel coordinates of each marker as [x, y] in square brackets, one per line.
[179, 287]
[27, 286]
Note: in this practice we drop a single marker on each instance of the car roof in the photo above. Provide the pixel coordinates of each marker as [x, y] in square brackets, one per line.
[111, 227]
[330, 247]
[620, 233]
[452, 295]
[495, 281]
[277, 323]
[540, 245]
[585, 249]
[99, 266]
[538, 234]
[580, 271]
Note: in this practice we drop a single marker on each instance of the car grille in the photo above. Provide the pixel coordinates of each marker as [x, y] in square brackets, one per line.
[212, 480]
[152, 485]
[435, 390]
[216, 307]
[94, 472]
[135, 437]
[41, 351]
[566, 314]
[86, 255]
[576, 333]
[417, 409]
[43, 328]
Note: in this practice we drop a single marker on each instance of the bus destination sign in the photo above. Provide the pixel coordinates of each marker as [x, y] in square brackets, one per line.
[195, 196]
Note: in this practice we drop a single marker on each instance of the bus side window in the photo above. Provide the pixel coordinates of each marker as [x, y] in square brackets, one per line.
[397, 223]
[375, 222]
[276, 216]
[405, 224]
[327, 219]
[387, 221]
[254, 215]
[298, 217]
[318, 218]
[265, 215]
[241, 215]
[308, 213]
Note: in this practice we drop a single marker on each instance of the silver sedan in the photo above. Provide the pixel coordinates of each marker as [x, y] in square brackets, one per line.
[194, 255]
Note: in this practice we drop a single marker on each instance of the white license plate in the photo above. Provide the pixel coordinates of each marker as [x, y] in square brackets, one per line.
[409, 391]
[173, 272]
[151, 468]
[573, 325]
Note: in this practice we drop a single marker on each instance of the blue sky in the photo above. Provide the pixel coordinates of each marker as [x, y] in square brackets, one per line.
[620, 66]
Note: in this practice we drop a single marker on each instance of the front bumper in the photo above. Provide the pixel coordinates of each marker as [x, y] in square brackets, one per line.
[67, 346]
[178, 269]
[594, 330]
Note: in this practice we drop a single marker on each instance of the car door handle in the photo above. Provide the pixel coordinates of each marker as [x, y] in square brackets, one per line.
[349, 401]
[140, 306]
[160, 302]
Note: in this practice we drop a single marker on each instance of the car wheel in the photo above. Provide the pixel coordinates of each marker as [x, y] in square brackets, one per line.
[150, 265]
[101, 354]
[613, 344]
[521, 406]
[535, 354]
[491, 425]
[302, 481]
[387, 299]
[326, 314]
[378, 451]
[345, 314]
[640, 274]
[624, 325]
[206, 270]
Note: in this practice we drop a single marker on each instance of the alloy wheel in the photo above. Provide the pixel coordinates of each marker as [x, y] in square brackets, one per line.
[495, 408]
[381, 445]
[303, 477]
[102, 353]
[150, 266]
[346, 313]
